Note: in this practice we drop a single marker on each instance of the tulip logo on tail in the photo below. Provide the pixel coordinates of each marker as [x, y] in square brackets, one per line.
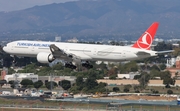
[145, 41]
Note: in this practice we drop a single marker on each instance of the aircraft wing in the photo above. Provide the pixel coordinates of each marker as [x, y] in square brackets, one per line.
[61, 54]
[57, 52]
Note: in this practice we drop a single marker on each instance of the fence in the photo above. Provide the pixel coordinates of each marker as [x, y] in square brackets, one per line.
[133, 107]
[87, 107]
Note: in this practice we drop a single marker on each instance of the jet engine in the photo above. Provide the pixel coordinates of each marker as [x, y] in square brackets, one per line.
[44, 57]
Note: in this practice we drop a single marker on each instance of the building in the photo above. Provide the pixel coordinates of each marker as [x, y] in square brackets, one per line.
[74, 40]
[178, 62]
[44, 78]
[127, 76]
[175, 71]
[3, 74]
[20, 76]
[56, 79]
[170, 62]
[57, 38]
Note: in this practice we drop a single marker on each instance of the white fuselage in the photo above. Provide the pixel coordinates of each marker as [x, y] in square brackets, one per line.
[92, 52]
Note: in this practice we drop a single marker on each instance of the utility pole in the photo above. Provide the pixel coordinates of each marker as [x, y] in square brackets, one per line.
[51, 84]
[16, 84]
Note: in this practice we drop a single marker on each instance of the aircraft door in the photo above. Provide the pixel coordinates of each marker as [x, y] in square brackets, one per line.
[33, 50]
[95, 51]
[12, 47]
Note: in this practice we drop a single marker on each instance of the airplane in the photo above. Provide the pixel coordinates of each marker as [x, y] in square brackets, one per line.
[73, 54]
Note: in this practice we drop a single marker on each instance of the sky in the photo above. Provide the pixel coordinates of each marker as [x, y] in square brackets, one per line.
[13, 5]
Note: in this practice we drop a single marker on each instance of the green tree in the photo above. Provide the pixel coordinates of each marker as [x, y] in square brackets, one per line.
[91, 83]
[155, 67]
[126, 90]
[154, 91]
[80, 82]
[12, 83]
[93, 74]
[58, 66]
[102, 84]
[116, 89]
[37, 84]
[30, 68]
[101, 87]
[26, 82]
[144, 80]
[114, 43]
[128, 86]
[7, 60]
[74, 89]
[136, 77]
[136, 88]
[11, 71]
[45, 70]
[51, 85]
[165, 74]
[166, 77]
[168, 81]
[162, 66]
[113, 77]
[2, 82]
[169, 92]
[129, 67]
[176, 52]
[102, 66]
[65, 84]
[163, 46]
[154, 73]
[112, 72]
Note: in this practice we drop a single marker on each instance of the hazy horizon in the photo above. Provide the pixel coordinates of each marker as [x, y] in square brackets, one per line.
[13, 5]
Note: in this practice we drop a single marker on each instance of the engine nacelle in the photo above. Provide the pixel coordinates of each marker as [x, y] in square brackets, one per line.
[44, 57]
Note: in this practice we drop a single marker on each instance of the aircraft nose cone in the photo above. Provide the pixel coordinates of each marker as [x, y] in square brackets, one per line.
[5, 49]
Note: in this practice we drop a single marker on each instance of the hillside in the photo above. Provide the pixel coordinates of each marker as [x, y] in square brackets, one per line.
[101, 17]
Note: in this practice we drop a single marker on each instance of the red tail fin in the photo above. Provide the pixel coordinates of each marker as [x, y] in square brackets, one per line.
[146, 39]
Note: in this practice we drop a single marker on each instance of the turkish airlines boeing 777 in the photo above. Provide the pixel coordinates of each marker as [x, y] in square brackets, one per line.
[73, 54]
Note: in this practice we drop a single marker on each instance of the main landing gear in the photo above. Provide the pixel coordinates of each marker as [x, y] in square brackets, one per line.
[87, 65]
[70, 65]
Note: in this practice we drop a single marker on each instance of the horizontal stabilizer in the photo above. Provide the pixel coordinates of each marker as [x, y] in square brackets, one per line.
[162, 52]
